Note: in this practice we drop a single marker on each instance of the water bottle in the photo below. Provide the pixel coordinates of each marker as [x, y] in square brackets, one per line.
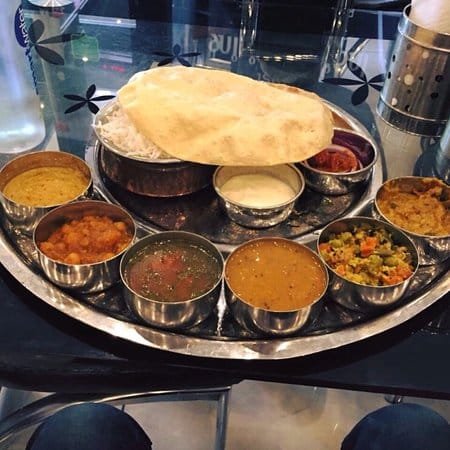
[21, 124]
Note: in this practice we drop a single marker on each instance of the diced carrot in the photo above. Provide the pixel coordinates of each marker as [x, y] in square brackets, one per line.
[324, 247]
[392, 279]
[340, 269]
[403, 271]
[368, 246]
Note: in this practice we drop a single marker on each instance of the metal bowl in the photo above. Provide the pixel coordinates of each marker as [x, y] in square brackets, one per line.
[264, 217]
[22, 217]
[432, 249]
[172, 315]
[332, 183]
[83, 278]
[359, 297]
[165, 177]
[269, 322]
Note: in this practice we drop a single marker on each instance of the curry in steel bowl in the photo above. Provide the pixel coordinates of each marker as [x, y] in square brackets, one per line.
[274, 285]
[419, 205]
[34, 183]
[367, 255]
[172, 279]
[371, 262]
[79, 245]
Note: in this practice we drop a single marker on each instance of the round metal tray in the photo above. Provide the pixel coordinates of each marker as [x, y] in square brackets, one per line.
[201, 212]
[220, 336]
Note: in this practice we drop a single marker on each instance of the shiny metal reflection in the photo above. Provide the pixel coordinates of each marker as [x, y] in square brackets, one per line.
[359, 297]
[24, 218]
[172, 315]
[331, 183]
[431, 249]
[253, 217]
[169, 177]
[83, 278]
[268, 322]
[415, 93]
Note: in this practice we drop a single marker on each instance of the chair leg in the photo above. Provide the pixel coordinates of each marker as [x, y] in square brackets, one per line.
[36, 412]
[222, 419]
[394, 399]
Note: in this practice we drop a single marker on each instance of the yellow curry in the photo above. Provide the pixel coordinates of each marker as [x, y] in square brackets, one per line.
[275, 274]
[46, 186]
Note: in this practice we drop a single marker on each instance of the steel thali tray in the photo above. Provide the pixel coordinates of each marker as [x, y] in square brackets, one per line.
[220, 336]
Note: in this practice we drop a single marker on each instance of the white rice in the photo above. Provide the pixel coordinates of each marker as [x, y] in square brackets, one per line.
[121, 132]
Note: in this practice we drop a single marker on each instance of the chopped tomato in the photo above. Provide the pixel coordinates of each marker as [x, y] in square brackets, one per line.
[368, 246]
[340, 269]
[336, 159]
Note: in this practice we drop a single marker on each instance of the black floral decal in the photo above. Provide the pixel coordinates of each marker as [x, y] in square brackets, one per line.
[360, 94]
[88, 100]
[175, 55]
[35, 32]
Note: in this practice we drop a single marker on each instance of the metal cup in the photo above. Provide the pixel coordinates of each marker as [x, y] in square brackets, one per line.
[417, 88]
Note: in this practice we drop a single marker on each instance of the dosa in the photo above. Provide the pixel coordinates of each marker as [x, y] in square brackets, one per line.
[221, 118]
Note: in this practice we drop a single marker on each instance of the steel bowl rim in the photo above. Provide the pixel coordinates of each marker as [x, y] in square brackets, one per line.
[272, 238]
[102, 114]
[380, 222]
[364, 169]
[53, 205]
[412, 233]
[159, 302]
[287, 203]
[98, 263]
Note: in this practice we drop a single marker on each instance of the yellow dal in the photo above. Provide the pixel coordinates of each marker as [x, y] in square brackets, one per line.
[275, 275]
[46, 186]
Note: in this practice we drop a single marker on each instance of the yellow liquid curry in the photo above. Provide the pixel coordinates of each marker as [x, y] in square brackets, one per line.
[46, 186]
[275, 274]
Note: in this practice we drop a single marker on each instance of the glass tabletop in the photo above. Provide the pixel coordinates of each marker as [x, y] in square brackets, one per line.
[85, 51]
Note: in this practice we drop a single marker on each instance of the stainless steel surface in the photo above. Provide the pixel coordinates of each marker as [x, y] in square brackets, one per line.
[269, 322]
[341, 183]
[340, 116]
[155, 178]
[216, 337]
[431, 249]
[442, 163]
[24, 218]
[259, 217]
[172, 315]
[362, 297]
[102, 117]
[431, 289]
[417, 87]
[84, 278]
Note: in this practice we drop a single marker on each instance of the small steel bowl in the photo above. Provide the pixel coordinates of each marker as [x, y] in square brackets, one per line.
[169, 177]
[172, 315]
[254, 217]
[82, 278]
[270, 322]
[22, 217]
[332, 183]
[432, 249]
[359, 297]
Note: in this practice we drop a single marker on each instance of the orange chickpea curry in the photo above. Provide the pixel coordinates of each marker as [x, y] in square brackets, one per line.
[88, 240]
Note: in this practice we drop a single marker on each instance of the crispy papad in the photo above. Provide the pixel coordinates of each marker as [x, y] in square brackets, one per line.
[218, 117]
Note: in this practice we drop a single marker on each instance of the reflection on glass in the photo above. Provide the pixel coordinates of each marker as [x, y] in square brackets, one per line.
[50, 3]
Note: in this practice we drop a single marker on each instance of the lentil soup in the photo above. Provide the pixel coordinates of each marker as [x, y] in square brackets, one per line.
[276, 274]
